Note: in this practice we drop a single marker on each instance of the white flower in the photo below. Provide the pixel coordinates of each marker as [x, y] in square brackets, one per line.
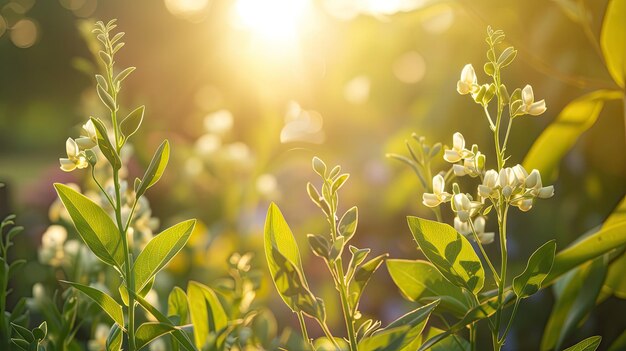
[489, 186]
[458, 151]
[464, 207]
[520, 173]
[468, 82]
[529, 105]
[99, 340]
[75, 157]
[534, 184]
[438, 195]
[52, 240]
[479, 225]
[89, 137]
[465, 229]
[523, 203]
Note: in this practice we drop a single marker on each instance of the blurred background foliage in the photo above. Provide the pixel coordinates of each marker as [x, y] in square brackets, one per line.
[248, 91]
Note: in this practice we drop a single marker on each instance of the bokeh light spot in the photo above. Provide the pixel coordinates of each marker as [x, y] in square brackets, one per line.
[24, 33]
[410, 67]
[357, 90]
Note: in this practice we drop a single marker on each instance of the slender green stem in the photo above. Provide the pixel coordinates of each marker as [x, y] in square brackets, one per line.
[93, 175]
[472, 332]
[345, 306]
[503, 266]
[482, 250]
[305, 335]
[508, 131]
[508, 326]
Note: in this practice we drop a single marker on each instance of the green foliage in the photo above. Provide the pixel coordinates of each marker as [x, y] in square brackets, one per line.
[576, 118]
[449, 252]
[94, 226]
[421, 281]
[207, 314]
[107, 303]
[613, 40]
[538, 267]
[589, 344]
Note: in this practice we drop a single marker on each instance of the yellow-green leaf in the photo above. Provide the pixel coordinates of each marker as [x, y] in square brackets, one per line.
[207, 313]
[160, 250]
[589, 344]
[419, 280]
[538, 267]
[149, 331]
[613, 40]
[155, 168]
[450, 252]
[94, 225]
[560, 136]
[106, 302]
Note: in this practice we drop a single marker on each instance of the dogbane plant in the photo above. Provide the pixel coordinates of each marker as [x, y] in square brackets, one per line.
[108, 237]
[283, 258]
[455, 273]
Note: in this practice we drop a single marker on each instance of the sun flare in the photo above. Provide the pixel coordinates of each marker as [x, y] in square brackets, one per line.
[272, 21]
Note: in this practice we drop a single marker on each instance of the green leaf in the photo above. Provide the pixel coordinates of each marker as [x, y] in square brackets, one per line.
[105, 145]
[285, 265]
[319, 245]
[416, 320]
[613, 40]
[449, 343]
[339, 182]
[149, 331]
[24, 333]
[589, 344]
[538, 267]
[615, 282]
[362, 276]
[132, 122]
[160, 250]
[386, 340]
[575, 301]
[449, 252]
[319, 167]
[106, 99]
[177, 305]
[605, 240]
[420, 281]
[125, 73]
[114, 340]
[546, 154]
[178, 334]
[348, 223]
[207, 313]
[94, 226]
[106, 302]
[155, 169]
[506, 57]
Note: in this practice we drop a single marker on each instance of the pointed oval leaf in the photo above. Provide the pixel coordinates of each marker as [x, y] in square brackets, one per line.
[420, 281]
[207, 313]
[178, 334]
[114, 340]
[106, 302]
[106, 99]
[362, 276]
[278, 234]
[348, 223]
[177, 305]
[589, 344]
[538, 267]
[105, 145]
[613, 40]
[94, 225]
[450, 252]
[416, 320]
[143, 292]
[125, 73]
[160, 250]
[132, 122]
[156, 168]
[149, 331]
[386, 340]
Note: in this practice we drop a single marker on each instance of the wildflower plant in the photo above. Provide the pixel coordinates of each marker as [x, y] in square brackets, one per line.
[454, 272]
[285, 265]
[101, 143]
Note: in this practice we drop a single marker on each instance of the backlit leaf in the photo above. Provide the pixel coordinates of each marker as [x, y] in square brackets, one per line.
[94, 225]
[155, 169]
[106, 302]
[556, 140]
[589, 344]
[449, 252]
[207, 313]
[613, 40]
[149, 331]
[160, 250]
[538, 267]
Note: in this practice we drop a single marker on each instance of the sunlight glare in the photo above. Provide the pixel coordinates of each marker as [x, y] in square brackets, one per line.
[275, 21]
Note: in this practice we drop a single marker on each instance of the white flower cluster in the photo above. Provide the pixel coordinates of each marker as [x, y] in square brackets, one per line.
[512, 185]
[522, 102]
[75, 148]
